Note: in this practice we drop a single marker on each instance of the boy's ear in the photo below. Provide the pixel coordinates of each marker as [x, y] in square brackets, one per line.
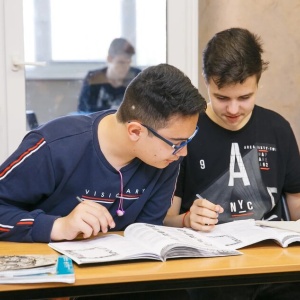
[135, 129]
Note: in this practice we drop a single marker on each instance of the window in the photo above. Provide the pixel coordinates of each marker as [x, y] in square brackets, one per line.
[72, 37]
[53, 90]
[81, 30]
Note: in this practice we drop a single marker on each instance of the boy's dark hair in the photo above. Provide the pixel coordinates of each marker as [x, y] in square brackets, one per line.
[159, 93]
[120, 46]
[233, 55]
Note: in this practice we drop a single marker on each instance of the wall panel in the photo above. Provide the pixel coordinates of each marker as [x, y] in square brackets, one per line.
[278, 24]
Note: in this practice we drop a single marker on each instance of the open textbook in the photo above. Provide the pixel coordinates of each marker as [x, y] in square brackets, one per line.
[145, 241]
[36, 268]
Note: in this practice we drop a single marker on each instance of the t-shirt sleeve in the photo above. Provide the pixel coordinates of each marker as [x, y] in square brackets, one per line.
[292, 178]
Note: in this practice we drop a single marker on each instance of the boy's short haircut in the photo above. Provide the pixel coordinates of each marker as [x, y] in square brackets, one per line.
[159, 93]
[231, 56]
[120, 46]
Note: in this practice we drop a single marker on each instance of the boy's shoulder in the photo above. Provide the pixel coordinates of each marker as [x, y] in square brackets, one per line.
[267, 115]
[70, 126]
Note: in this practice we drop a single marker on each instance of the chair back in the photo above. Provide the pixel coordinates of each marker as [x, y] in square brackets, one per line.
[32, 121]
[285, 210]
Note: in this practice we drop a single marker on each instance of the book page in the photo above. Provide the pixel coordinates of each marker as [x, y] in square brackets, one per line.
[175, 242]
[287, 225]
[109, 247]
[232, 235]
[239, 234]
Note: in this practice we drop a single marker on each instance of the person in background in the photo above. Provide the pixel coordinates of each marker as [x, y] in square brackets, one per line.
[104, 88]
[122, 165]
[243, 160]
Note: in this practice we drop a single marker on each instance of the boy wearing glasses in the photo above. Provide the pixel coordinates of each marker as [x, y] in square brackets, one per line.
[245, 158]
[91, 173]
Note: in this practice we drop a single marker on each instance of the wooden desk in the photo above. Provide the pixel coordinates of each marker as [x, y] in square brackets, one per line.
[265, 262]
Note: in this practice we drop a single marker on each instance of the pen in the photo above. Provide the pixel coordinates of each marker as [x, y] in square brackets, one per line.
[79, 199]
[200, 197]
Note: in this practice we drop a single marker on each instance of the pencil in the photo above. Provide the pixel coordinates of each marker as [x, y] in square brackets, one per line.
[79, 199]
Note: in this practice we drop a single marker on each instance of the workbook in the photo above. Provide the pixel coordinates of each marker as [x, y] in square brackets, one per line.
[146, 241]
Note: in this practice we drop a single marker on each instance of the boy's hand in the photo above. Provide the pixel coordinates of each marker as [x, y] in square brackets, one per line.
[87, 218]
[204, 215]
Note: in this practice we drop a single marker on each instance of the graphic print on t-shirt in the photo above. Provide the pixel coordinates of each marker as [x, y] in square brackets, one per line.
[263, 155]
[240, 190]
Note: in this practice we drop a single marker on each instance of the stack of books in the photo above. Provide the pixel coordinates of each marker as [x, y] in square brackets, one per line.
[36, 268]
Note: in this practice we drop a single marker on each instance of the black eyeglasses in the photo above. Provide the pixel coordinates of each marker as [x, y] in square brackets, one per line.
[175, 147]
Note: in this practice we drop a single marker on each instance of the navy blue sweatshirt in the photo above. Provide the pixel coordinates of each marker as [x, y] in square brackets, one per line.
[61, 160]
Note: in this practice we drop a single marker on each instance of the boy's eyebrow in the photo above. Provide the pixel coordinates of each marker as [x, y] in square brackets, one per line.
[249, 94]
[220, 95]
[224, 96]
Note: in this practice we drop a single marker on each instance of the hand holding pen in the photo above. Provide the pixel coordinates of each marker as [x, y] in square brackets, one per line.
[204, 214]
[87, 218]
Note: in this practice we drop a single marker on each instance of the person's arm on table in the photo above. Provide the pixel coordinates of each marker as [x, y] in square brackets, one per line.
[21, 220]
[293, 202]
[173, 218]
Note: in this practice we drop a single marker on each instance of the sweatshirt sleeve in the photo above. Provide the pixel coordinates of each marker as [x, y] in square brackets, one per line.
[26, 179]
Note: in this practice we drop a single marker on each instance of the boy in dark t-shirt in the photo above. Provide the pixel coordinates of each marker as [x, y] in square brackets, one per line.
[244, 157]
[244, 171]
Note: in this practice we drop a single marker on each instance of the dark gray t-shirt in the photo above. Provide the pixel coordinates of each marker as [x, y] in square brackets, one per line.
[244, 171]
